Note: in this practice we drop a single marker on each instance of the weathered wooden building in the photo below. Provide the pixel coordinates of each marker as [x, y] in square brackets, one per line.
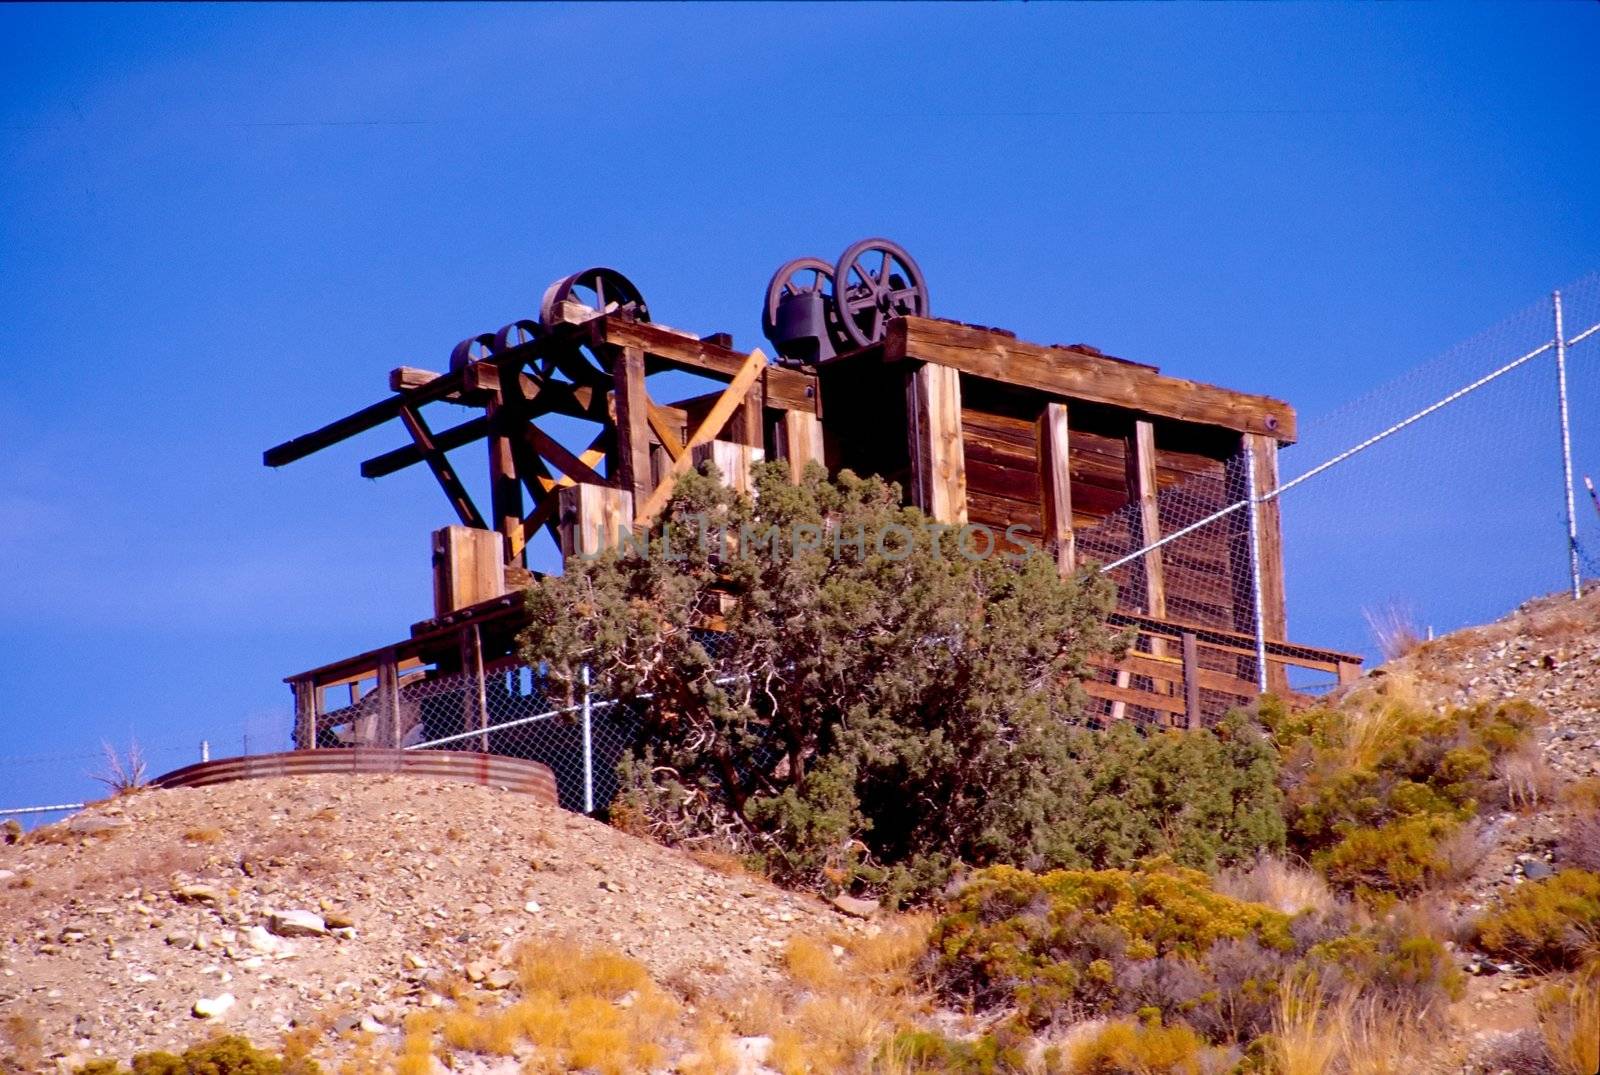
[975, 424]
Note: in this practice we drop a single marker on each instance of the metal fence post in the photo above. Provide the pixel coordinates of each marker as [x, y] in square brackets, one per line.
[588, 745]
[1258, 611]
[1566, 450]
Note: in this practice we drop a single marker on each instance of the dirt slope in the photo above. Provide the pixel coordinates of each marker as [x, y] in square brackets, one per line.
[119, 920]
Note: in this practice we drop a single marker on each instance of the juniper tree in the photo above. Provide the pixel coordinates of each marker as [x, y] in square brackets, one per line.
[836, 685]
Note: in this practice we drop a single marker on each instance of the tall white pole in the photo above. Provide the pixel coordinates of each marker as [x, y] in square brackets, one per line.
[588, 747]
[1566, 451]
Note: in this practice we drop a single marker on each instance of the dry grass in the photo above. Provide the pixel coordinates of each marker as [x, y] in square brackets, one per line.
[1373, 1041]
[122, 773]
[1569, 1019]
[1278, 883]
[719, 861]
[1530, 781]
[1305, 1037]
[1583, 794]
[1394, 627]
[844, 1002]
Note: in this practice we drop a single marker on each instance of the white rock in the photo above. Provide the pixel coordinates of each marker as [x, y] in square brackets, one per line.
[297, 924]
[532, 907]
[213, 1007]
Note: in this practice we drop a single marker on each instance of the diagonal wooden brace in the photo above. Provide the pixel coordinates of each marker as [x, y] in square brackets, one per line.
[442, 470]
[715, 419]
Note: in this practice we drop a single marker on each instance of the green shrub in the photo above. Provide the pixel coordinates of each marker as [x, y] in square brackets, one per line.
[1053, 944]
[1125, 1047]
[1163, 942]
[1550, 924]
[1371, 791]
[231, 1055]
[1400, 858]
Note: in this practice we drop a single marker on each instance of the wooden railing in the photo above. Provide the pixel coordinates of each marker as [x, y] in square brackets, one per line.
[1190, 675]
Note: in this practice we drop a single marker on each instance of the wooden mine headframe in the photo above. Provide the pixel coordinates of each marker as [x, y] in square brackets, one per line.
[976, 425]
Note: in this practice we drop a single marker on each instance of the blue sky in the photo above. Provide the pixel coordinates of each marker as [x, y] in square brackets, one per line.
[221, 226]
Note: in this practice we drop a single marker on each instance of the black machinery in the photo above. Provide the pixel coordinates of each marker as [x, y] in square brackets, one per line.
[815, 310]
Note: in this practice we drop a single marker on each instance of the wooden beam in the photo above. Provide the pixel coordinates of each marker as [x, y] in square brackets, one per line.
[784, 388]
[1140, 460]
[733, 462]
[632, 470]
[709, 427]
[359, 422]
[305, 714]
[505, 490]
[665, 424]
[748, 426]
[799, 441]
[574, 401]
[938, 455]
[468, 567]
[569, 464]
[409, 455]
[1269, 532]
[1076, 374]
[1191, 680]
[442, 470]
[1055, 486]
[1142, 490]
[475, 701]
[593, 518]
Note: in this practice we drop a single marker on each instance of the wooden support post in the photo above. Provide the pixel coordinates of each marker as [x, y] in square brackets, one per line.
[476, 701]
[505, 489]
[632, 472]
[1142, 489]
[799, 441]
[746, 426]
[305, 715]
[386, 730]
[1140, 457]
[733, 462]
[938, 454]
[1269, 532]
[1055, 486]
[467, 567]
[1191, 680]
[593, 518]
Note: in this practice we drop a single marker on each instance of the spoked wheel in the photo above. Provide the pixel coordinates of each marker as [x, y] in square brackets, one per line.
[874, 281]
[516, 334]
[473, 349]
[602, 290]
[802, 276]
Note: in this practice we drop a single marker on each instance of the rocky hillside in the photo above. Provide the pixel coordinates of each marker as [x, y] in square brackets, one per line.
[154, 919]
[1547, 651]
[392, 916]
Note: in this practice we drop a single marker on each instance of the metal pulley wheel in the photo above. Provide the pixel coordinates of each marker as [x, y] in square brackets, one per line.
[602, 290]
[473, 349]
[874, 281]
[798, 316]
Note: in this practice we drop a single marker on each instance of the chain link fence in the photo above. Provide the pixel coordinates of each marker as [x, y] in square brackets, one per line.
[1439, 500]
[1443, 498]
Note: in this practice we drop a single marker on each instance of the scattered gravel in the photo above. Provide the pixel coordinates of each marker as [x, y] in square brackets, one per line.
[151, 920]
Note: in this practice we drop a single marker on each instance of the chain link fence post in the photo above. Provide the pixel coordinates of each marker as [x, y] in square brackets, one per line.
[1566, 449]
[588, 745]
